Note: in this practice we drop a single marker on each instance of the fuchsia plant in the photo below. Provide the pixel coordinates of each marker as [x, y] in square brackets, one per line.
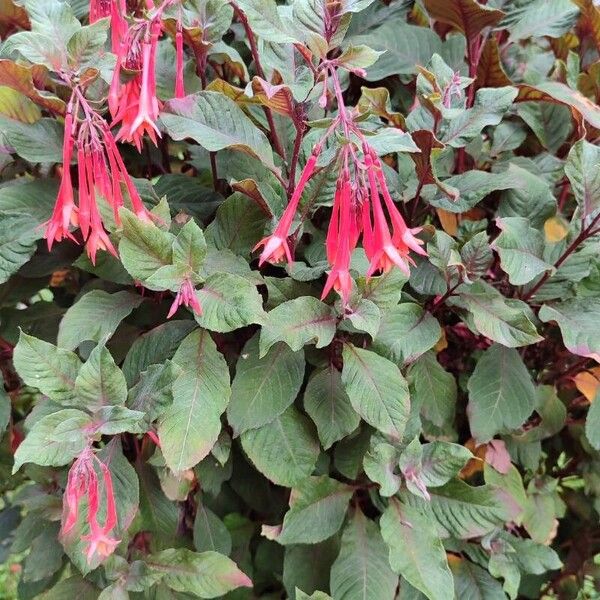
[299, 299]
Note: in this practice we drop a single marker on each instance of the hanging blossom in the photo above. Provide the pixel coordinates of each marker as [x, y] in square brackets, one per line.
[115, 10]
[187, 297]
[357, 210]
[101, 172]
[83, 482]
[133, 103]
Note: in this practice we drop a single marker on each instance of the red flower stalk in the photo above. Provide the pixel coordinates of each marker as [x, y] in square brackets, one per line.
[186, 296]
[179, 83]
[101, 172]
[275, 246]
[83, 481]
[134, 105]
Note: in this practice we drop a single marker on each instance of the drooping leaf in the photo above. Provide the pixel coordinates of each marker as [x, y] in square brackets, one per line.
[581, 169]
[285, 450]
[501, 393]
[376, 389]
[50, 369]
[298, 322]
[189, 428]
[406, 332]
[215, 122]
[521, 249]
[316, 513]
[203, 574]
[95, 316]
[229, 302]
[362, 570]
[210, 533]
[55, 439]
[328, 405]
[263, 387]
[415, 550]
[578, 322]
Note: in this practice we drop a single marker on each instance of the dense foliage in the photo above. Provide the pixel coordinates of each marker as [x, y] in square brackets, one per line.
[299, 299]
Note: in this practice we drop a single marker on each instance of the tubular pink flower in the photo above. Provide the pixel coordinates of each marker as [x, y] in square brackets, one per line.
[179, 83]
[82, 481]
[339, 277]
[186, 297]
[65, 212]
[275, 246]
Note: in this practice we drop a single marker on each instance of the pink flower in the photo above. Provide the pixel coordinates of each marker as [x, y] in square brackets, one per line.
[179, 83]
[187, 297]
[83, 481]
[65, 212]
[135, 105]
[339, 243]
[275, 246]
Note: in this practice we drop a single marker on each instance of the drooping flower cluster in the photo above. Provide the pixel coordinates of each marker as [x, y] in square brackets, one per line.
[357, 209]
[83, 482]
[101, 173]
[187, 297]
[133, 103]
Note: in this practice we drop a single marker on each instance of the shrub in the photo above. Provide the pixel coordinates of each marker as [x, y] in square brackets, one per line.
[300, 299]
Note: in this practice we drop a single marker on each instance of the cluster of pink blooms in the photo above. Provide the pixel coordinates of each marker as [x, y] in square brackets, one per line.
[357, 209]
[83, 482]
[134, 108]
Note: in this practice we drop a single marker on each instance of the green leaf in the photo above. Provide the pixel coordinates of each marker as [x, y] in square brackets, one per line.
[238, 225]
[215, 122]
[267, 22]
[100, 382]
[404, 46]
[191, 425]
[381, 465]
[578, 322]
[462, 511]
[111, 420]
[490, 106]
[155, 347]
[50, 369]
[152, 394]
[316, 513]
[361, 570]
[285, 450]
[86, 45]
[434, 389]
[299, 322]
[364, 316]
[210, 533]
[39, 142]
[5, 408]
[501, 393]
[539, 18]
[473, 582]
[377, 390]
[263, 387]
[550, 122]
[328, 405]
[434, 465]
[415, 550]
[229, 302]
[95, 316]
[592, 423]
[55, 439]
[521, 250]
[582, 170]
[406, 332]
[204, 574]
[497, 318]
